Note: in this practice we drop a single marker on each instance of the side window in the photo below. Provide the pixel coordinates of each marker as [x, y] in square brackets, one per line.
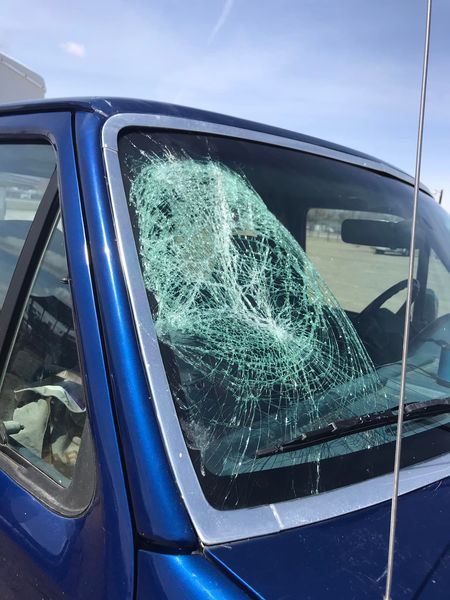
[437, 287]
[41, 399]
[356, 274]
[25, 171]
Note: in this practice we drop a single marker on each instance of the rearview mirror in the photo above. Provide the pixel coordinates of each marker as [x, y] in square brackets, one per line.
[385, 234]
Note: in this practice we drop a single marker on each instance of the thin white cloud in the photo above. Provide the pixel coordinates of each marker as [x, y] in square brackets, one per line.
[74, 48]
[228, 5]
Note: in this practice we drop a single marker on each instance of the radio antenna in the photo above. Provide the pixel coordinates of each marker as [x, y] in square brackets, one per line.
[401, 403]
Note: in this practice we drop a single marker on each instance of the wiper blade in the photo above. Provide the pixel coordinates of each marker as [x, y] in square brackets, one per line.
[345, 427]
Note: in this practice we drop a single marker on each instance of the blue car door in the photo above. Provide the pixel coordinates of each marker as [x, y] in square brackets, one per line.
[65, 525]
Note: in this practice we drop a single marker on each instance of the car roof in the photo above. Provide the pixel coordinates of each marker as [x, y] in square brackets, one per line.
[106, 107]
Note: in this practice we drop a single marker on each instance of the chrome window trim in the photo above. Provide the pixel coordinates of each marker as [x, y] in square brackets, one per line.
[214, 526]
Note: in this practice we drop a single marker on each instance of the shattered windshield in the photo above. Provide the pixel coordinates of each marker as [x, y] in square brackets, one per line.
[276, 281]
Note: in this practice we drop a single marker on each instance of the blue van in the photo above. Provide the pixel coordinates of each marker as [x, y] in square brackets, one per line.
[201, 358]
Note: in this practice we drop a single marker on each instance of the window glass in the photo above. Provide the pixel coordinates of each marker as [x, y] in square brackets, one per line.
[438, 298]
[41, 400]
[25, 170]
[269, 332]
[356, 273]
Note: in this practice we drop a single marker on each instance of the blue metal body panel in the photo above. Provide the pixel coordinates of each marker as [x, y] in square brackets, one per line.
[159, 513]
[105, 107]
[43, 554]
[346, 557]
[178, 576]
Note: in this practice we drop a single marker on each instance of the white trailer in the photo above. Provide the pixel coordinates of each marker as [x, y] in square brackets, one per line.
[18, 82]
[18, 192]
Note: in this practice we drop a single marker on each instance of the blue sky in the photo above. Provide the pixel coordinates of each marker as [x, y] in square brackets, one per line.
[345, 70]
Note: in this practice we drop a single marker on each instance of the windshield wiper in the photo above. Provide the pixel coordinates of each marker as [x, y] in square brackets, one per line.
[376, 420]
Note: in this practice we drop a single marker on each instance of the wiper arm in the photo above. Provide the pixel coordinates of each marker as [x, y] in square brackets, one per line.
[345, 427]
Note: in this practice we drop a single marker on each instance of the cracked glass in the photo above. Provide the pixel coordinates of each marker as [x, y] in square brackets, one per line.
[234, 239]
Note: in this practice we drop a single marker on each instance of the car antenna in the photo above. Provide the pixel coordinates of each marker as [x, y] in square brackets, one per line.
[401, 403]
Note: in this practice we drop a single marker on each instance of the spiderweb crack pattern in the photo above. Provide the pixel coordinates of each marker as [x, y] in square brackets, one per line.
[262, 347]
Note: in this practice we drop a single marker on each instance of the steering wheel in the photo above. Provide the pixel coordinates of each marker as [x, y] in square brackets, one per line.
[384, 297]
[382, 330]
